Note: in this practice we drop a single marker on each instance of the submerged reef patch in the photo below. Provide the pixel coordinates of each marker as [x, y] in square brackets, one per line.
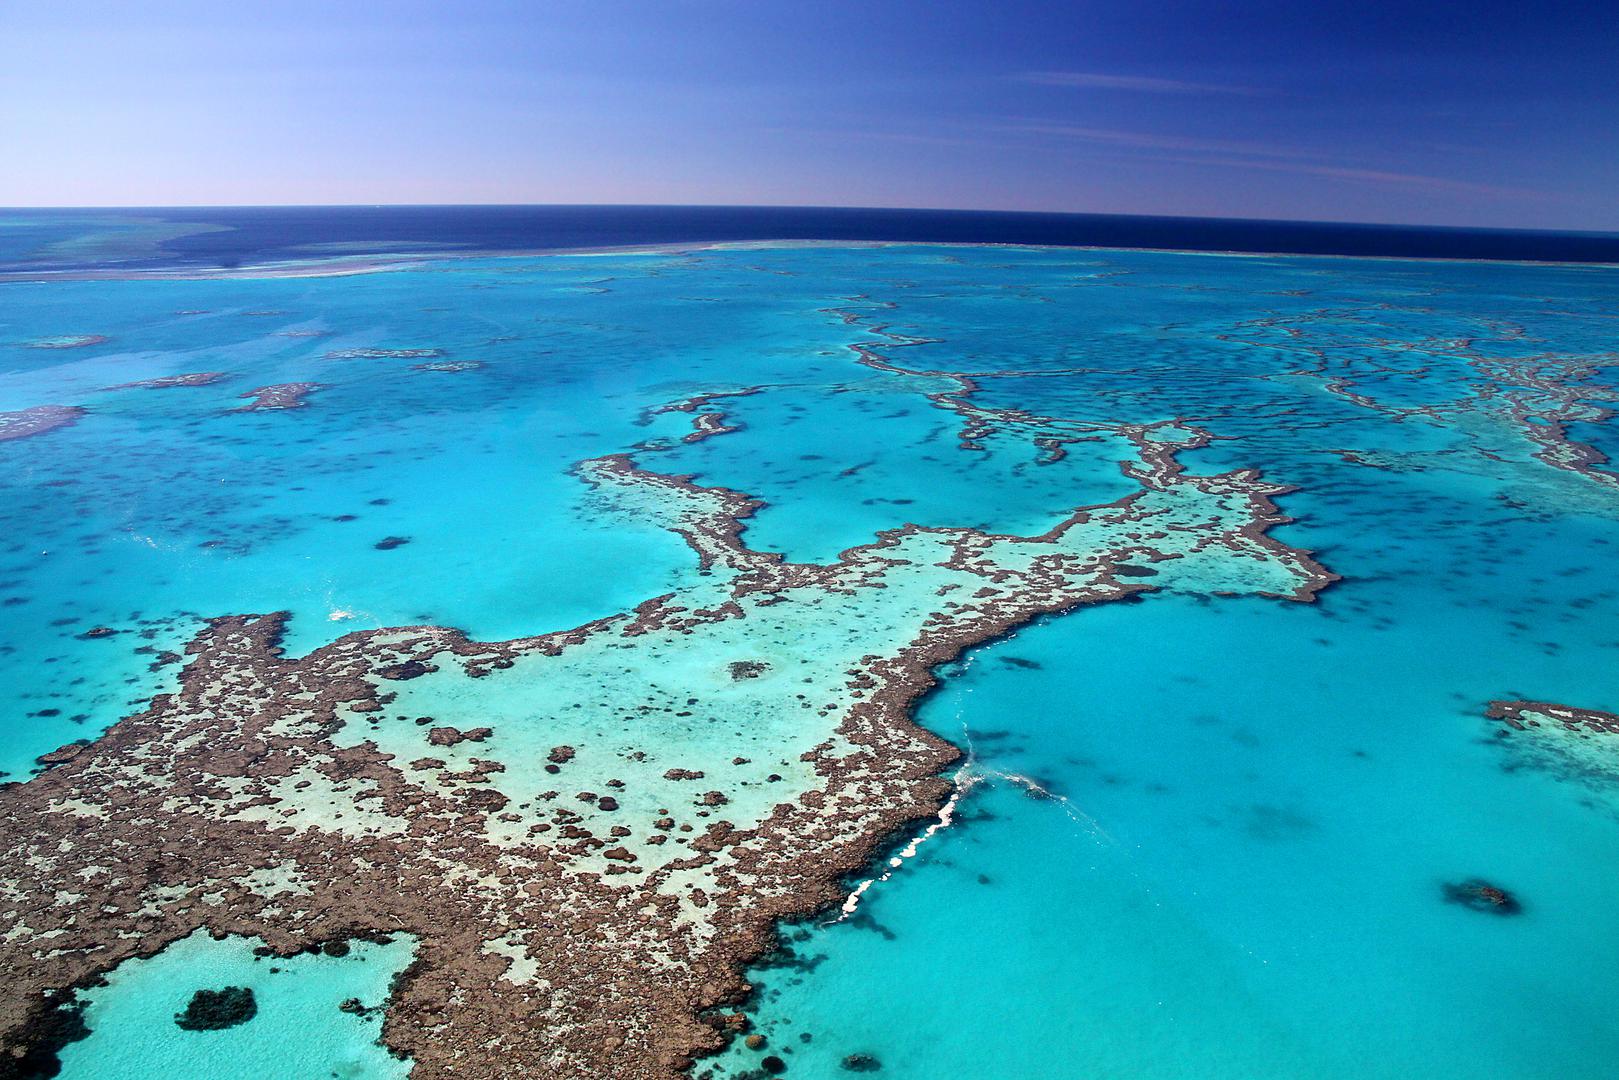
[59, 1022]
[168, 382]
[215, 1010]
[384, 354]
[67, 341]
[1569, 743]
[449, 366]
[1476, 894]
[1538, 394]
[37, 420]
[1582, 723]
[279, 396]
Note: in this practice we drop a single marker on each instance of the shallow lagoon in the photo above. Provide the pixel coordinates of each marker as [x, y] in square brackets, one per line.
[299, 1029]
[1259, 802]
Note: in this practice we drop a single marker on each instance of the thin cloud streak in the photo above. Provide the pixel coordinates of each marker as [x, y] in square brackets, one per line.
[1144, 84]
[1147, 140]
[1272, 157]
[875, 136]
[1188, 150]
[1409, 181]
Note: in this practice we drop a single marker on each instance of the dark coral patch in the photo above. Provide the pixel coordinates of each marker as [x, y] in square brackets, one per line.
[215, 1010]
[1476, 894]
[37, 420]
[67, 341]
[47, 1037]
[408, 669]
[62, 754]
[279, 396]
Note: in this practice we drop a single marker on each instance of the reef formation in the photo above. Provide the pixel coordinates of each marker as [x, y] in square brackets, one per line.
[590, 831]
[168, 382]
[215, 1010]
[1569, 743]
[37, 420]
[279, 396]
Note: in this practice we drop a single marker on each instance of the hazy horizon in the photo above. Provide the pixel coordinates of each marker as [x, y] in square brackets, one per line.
[153, 208]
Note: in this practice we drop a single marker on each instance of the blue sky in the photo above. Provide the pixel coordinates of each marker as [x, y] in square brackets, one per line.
[1487, 113]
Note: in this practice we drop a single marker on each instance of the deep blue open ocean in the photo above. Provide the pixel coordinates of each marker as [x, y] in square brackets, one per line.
[257, 235]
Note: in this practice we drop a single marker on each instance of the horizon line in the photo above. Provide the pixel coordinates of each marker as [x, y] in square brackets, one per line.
[1605, 234]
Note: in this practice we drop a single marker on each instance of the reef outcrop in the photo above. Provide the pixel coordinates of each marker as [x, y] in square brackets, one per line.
[215, 1010]
[526, 808]
[37, 420]
[279, 396]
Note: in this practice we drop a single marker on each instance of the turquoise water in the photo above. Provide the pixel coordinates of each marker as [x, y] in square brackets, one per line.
[299, 1029]
[1257, 803]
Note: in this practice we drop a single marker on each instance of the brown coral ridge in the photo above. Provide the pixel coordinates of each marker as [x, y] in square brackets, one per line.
[978, 421]
[70, 341]
[448, 366]
[1522, 715]
[706, 420]
[1541, 394]
[279, 396]
[1579, 746]
[37, 420]
[239, 804]
[167, 382]
[384, 354]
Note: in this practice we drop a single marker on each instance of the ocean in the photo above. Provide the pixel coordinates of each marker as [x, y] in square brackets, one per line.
[1225, 818]
[197, 238]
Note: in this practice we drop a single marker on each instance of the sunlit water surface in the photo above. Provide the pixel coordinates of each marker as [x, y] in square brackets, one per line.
[1253, 805]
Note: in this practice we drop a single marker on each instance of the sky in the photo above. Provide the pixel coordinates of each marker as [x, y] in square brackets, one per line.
[1487, 113]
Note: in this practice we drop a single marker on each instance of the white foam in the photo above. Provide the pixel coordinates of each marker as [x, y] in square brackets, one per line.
[964, 780]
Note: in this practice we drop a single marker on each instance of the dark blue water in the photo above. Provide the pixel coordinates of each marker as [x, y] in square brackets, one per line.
[255, 235]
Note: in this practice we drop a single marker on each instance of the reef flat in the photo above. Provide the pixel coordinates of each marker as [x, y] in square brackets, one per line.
[279, 396]
[37, 420]
[166, 382]
[1570, 743]
[576, 918]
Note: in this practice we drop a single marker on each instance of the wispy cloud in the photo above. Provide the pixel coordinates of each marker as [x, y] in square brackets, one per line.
[1181, 149]
[1147, 140]
[1142, 84]
[1269, 157]
[858, 134]
[1379, 177]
